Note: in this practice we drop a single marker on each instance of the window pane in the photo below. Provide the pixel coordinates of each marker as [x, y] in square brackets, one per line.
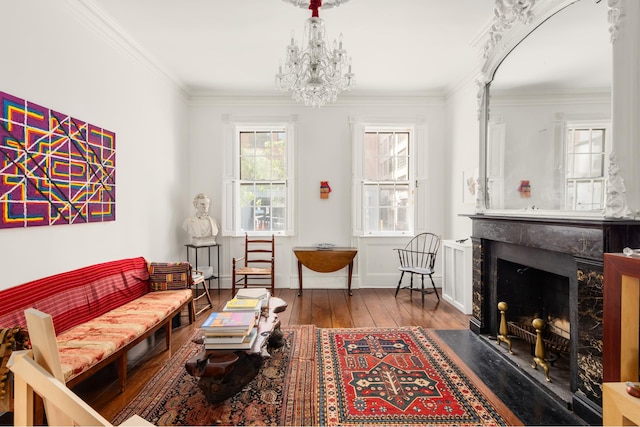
[371, 196]
[247, 144]
[598, 195]
[582, 166]
[387, 195]
[263, 142]
[247, 195]
[370, 156]
[279, 169]
[385, 144]
[247, 213]
[582, 141]
[278, 219]
[370, 222]
[247, 168]
[597, 165]
[402, 142]
[278, 144]
[387, 219]
[570, 141]
[584, 196]
[402, 220]
[597, 140]
[262, 168]
[402, 195]
[263, 206]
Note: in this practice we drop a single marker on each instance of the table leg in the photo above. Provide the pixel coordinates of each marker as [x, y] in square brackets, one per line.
[300, 278]
[350, 274]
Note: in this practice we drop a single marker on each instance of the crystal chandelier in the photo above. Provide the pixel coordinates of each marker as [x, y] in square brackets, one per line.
[315, 74]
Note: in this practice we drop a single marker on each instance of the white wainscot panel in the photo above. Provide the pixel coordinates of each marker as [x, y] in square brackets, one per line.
[457, 286]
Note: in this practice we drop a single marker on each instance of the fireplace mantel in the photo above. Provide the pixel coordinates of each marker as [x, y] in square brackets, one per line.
[573, 248]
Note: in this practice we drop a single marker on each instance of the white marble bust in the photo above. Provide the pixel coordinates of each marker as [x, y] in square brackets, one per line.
[201, 227]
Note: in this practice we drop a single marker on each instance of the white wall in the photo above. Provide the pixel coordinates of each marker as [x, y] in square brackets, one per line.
[323, 152]
[462, 155]
[54, 55]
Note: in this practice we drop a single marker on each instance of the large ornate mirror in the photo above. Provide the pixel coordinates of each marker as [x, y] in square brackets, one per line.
[546, 119]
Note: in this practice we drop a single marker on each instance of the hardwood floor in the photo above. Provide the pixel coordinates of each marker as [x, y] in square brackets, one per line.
[335, 309]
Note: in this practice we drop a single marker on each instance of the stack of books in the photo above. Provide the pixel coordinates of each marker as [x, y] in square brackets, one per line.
[261, 294]
[229, 330]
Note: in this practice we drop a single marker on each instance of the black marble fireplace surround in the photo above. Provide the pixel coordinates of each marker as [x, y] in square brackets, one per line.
[566, 248]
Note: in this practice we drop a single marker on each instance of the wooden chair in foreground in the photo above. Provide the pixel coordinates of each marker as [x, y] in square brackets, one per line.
[39, 371]
[257, 266]
[419, 257]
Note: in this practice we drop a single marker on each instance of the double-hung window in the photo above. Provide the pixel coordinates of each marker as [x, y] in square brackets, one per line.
[586, 158]
[258, 180]
[384, 179]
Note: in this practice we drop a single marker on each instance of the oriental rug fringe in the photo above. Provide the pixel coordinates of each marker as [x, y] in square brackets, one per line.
[332, 377]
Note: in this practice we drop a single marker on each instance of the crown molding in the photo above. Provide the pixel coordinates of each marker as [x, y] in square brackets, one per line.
[105, 27]
[551, 98]
[345, 100]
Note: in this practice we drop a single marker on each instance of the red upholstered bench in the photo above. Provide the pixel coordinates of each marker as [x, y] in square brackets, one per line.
[99, 312]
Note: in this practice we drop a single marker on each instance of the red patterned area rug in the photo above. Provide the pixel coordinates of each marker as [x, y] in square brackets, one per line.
[279, 395]
[398, 376]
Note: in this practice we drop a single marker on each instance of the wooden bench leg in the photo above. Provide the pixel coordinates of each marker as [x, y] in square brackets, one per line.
[167, 335]
[192, 311]
[121, 364]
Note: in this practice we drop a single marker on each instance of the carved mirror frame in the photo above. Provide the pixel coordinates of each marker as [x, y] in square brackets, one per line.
[513, 21]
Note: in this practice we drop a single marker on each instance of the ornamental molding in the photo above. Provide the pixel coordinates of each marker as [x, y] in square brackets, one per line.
[481, 92]
[506, 13]
[614, 16]
[509, 14]
[616, 201]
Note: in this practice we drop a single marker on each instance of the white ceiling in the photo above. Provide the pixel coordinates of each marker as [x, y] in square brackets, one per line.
[418, 47]
[213, 46]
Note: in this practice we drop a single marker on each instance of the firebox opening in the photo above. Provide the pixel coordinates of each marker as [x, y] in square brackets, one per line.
[534, 293]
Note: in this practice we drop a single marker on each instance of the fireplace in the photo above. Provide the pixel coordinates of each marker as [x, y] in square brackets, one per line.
[552, 269]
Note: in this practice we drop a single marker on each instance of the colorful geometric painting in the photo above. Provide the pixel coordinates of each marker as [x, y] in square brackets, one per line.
[54, 169]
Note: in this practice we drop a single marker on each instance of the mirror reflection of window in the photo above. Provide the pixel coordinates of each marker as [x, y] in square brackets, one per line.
[586, 162]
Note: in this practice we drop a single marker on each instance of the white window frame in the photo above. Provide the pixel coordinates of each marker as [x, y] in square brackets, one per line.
[588, 124]
[417, 172]
[231, 212]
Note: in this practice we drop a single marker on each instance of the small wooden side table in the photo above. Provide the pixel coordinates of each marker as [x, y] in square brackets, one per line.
[324, 260]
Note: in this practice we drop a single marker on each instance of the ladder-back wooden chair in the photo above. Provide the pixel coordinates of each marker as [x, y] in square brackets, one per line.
[257, 266]
[419, 257]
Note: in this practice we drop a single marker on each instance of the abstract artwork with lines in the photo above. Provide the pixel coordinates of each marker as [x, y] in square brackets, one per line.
[54, 169]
